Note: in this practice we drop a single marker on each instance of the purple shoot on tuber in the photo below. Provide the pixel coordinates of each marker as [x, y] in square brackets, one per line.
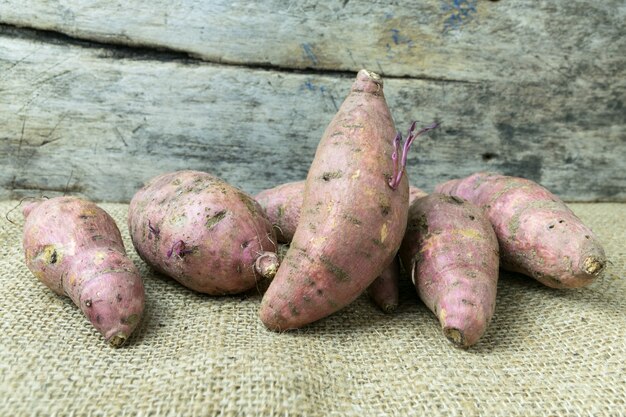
[179, 249]
[398, 166]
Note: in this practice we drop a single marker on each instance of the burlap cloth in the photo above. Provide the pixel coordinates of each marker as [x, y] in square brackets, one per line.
[547, 352]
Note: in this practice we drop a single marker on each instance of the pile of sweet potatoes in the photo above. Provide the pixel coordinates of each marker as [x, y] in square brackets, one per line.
[353, 226]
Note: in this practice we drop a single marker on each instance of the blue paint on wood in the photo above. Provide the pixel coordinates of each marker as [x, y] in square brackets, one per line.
[397, 40]
[395, 35]
[459, 13]
[308, 52]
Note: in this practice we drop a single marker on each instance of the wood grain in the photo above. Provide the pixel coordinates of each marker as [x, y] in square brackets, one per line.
[89, 121]
[527, 88]
[467, 40]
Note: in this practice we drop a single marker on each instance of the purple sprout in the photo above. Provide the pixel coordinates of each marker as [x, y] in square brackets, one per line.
[399, 164]
[179, 248]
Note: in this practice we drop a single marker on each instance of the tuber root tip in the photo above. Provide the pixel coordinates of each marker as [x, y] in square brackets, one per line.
[117, 340]
[389, 308]
[267, 264]
[593, 265]
[371, 74]
[455, 336]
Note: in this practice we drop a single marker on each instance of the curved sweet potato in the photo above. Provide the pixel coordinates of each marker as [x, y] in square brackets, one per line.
[203, 232]
[282, 205]
[451, 252]
[352, 220]
[539, 235]
[75, 248]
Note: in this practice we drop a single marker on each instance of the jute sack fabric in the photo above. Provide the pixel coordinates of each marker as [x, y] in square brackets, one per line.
[547, 352]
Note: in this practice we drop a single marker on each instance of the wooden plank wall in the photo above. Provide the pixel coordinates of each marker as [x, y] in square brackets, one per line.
[98, 96]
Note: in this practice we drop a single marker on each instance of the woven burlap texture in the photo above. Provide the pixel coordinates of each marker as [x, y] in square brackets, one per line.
[547, 352]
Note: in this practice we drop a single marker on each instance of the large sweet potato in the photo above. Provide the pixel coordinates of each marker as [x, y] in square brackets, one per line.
[353, 215]
[451, 252]
[203, 232]
[75, 248]
[538, 234]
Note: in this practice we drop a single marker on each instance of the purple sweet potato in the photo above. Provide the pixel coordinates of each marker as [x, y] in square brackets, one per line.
[539, 235]
[208, 235]
[75, 248]
[451, 251]
[353, 214]
[282, 205]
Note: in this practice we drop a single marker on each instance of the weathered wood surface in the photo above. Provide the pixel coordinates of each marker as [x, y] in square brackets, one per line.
[533, 89]
[443, 39]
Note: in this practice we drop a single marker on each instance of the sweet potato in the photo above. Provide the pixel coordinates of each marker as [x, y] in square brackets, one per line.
[203, 232]
[353, 214]
[75, 248]
[385, 290]
[282, 205]
[451, 251]
[415, 193]
[538, 234]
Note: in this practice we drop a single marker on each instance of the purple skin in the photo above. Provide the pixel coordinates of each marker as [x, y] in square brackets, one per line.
[75, 248]
[399, 170]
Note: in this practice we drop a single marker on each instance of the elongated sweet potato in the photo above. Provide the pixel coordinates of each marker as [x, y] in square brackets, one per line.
[283, 204]
[75, 248]
[451, 251]
[353, 215]
[538, 234]
[203, 232]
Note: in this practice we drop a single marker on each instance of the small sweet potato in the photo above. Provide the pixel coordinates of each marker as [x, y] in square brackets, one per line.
[538, 234]
[385, 290]
[75, 248]
[203, 232]
[353, 214]
[283, 204]
[451, 252]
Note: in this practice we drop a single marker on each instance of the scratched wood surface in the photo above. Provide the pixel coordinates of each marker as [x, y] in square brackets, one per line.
[96, 97]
